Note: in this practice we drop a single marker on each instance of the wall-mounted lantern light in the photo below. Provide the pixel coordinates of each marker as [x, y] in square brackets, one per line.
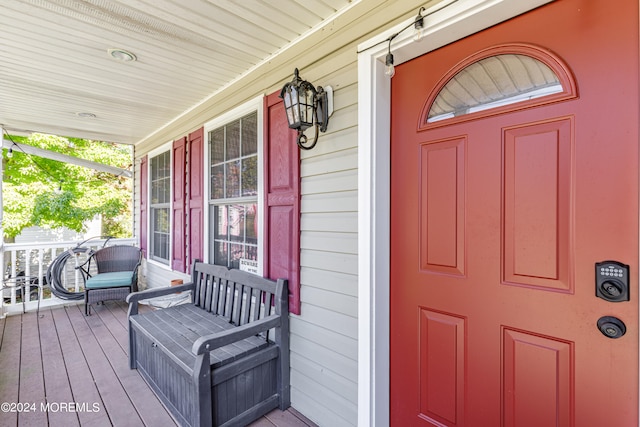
[306, 106]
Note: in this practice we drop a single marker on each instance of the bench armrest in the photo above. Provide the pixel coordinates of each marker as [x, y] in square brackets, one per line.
[212, 341]
[134, 297]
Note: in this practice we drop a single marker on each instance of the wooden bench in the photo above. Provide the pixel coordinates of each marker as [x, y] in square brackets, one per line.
[222, 359]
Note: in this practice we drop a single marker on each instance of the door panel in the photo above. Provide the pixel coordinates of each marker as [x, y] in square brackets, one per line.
[497, 223]
[537, 210]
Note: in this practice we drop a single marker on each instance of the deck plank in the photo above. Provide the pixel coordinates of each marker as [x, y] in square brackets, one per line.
[148, 406]
[286, 419]
[83, 386]
[57, 385]
[31, 375]
[116, 402]
[65, 357]
[10, 371]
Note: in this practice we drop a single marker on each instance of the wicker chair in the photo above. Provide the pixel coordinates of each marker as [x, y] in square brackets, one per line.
[117, 275]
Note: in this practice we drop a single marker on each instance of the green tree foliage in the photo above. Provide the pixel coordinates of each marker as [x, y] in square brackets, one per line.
[52, 194]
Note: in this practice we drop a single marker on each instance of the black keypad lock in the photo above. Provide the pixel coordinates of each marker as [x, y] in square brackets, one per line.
[612, 281]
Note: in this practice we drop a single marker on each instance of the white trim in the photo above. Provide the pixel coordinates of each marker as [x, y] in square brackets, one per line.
[452, 23]
[256, 104]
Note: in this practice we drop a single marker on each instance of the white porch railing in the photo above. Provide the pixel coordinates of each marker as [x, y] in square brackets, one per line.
[32, 260]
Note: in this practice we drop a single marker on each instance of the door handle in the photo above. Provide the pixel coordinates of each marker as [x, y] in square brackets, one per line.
[612, 281]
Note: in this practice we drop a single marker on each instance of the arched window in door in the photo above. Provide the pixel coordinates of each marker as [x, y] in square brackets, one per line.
[498, 79]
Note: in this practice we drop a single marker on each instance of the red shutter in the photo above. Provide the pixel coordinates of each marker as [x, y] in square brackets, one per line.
[282, 200]
[195, 203]
[178, 203]
[144, 199]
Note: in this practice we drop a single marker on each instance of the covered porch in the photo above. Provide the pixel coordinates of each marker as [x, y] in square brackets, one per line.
[62, 368]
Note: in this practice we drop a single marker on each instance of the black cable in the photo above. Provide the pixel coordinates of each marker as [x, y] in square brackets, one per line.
[38, 165]
[47, 172]
[393, 36]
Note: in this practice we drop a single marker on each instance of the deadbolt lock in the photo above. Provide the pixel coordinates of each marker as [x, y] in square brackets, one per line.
[611, 327]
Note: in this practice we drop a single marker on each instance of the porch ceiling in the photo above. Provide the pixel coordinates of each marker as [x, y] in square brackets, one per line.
[54, 62]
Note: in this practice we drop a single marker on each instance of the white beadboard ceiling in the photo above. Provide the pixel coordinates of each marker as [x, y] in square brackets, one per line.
[54, 62]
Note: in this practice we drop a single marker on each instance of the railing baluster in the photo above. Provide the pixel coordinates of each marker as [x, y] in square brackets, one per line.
[19, 255]
[41, 274]
[77, 273]
[14, 260]
[26, 288]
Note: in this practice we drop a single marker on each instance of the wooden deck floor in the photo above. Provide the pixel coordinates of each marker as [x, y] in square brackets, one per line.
[66, 369]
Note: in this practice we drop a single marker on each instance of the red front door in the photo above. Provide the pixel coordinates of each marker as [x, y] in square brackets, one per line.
[497, 224]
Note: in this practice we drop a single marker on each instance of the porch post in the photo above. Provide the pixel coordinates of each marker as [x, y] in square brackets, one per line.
[2, 313]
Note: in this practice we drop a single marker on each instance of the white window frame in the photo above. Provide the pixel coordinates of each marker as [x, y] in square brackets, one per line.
[154, 153]
[254, 105]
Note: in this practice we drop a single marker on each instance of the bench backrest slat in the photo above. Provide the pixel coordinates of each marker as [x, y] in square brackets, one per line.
[238, 296]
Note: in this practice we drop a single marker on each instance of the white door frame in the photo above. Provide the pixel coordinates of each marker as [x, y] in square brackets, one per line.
[456, 21]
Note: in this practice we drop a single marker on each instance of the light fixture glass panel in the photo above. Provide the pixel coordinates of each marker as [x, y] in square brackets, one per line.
[296, 114]
[493, 82]
[290, 118]
[287, 98]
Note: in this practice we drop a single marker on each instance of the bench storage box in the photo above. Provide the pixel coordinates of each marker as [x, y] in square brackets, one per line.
[222, 359]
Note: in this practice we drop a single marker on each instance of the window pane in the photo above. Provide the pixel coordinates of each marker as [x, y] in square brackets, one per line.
[235, 235]
[251, 224]
[160, 234]
[221, 222]
[236, 223]
[251, 252]
[155, 191]
[233, 179]
[161, 246]
[160, 191]
[161, 220]
[221, 255]
[160, 178]
[235, 254]
[217, 182]
[217, 145]
[250, 176]
[250, 134]
[493, 82]
[233, 140]
[159, 199]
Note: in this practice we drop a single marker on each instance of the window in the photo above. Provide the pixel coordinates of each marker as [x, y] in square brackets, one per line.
[493, 82]
[498, 79]
[233, 195]
[160, 207]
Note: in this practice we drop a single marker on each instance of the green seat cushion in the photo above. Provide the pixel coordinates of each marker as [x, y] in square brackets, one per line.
[110, 280]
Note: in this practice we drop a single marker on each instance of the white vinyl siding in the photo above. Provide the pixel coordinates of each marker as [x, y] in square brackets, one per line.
[324, 338]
